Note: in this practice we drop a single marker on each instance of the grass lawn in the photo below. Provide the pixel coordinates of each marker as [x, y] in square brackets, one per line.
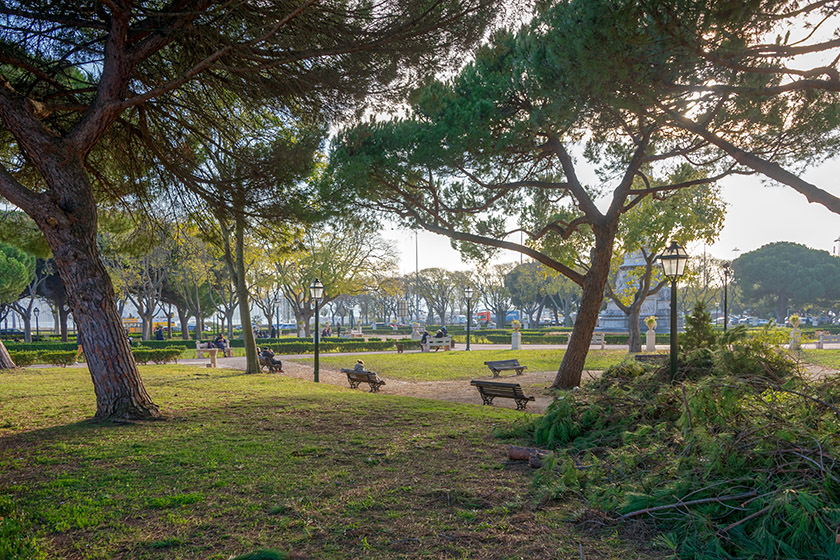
[827, 358]
[248, 462]
[439, 366]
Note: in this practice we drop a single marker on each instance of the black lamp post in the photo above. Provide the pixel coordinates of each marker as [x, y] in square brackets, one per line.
[673, 261]
[726, 272]
[37, 312]
[316, 291]
[468, 293]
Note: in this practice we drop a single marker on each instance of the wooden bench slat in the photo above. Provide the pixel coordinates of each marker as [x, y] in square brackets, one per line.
[356, 378]
[490, 390]
[499, 366]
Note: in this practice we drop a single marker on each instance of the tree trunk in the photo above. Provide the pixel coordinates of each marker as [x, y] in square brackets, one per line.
[184, 319]
[27, 328]
[70, 230]
[5, 360]
[63, 312]
[252, 360]
[594, 282]
[635, 342]
[781, 309]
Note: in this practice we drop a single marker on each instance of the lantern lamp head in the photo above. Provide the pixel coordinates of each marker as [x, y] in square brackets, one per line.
[316, 289]
[674, 260]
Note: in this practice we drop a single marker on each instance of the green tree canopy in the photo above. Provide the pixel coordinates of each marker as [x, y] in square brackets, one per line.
[17, 268]
[95, 98]
[501, 139]
[787, 274]
[756, 81]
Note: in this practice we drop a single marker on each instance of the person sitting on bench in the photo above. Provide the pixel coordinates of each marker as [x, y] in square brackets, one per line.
[220, 342]
[360, 366]
[268, 354]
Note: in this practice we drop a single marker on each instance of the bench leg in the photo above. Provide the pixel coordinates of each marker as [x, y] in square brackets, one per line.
[521, 404]
[519, 371]
[353, 384]
[374, 386]
[488, 400]
[495, 372]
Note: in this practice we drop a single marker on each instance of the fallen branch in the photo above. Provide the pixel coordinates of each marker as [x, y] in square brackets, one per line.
[689, 503]
[728, 528]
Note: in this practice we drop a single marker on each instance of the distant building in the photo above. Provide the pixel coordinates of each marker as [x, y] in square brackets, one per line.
[613, 319]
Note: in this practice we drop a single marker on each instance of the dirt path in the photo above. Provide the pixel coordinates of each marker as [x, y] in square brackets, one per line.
[460, 391]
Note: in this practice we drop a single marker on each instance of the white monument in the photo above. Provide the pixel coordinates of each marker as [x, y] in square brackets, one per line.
[613, 319]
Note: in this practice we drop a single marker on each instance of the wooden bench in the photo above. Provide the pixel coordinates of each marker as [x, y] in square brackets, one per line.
[501, 365]
[202, 347]
[827, 338]
[489, 390]
[272, 367]
[356, 378]
[444, 342]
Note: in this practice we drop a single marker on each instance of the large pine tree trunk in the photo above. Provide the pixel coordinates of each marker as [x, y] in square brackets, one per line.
[70, 230]
[5, 360]
[594, 282]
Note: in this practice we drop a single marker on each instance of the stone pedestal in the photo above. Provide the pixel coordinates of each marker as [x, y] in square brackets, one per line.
[212, 352]
[415, 332]
[795, 339]
[515, 340]
[650, 341]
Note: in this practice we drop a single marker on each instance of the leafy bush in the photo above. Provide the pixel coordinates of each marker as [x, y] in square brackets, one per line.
[737, 463]
[62, 359]
[37, 346]
[168, 344]
[23, 359]
[156, 355]
[699, 331]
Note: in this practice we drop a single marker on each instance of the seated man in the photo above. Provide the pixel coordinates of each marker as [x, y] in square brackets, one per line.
[220, 342]
[268, 354]
[424, 342]
[360, 366]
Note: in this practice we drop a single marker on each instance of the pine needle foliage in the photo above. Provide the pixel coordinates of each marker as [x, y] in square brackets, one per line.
[736, 462]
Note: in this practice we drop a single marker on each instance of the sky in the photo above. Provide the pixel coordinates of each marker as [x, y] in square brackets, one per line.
[758, 212]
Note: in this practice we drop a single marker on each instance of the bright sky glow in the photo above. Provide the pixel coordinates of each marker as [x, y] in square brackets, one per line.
[759, 212]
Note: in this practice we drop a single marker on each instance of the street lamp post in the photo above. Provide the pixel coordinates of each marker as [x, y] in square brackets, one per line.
[726, 272]
[468, 293]
[37, 312]
[673, 261]
[316, 290]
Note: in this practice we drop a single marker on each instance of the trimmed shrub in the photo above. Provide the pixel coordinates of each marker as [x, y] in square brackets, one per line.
[23, 359]
[62, 359]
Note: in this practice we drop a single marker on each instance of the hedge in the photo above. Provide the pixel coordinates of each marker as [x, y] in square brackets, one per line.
[23, 359]
[38, 346]
[156, 355]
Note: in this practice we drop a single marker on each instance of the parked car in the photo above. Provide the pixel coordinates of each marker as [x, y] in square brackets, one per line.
[11, 332]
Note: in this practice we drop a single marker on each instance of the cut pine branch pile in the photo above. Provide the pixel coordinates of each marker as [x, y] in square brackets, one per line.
[723, 466]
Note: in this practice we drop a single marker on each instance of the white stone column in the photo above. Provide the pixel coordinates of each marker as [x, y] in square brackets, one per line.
[650, 341]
